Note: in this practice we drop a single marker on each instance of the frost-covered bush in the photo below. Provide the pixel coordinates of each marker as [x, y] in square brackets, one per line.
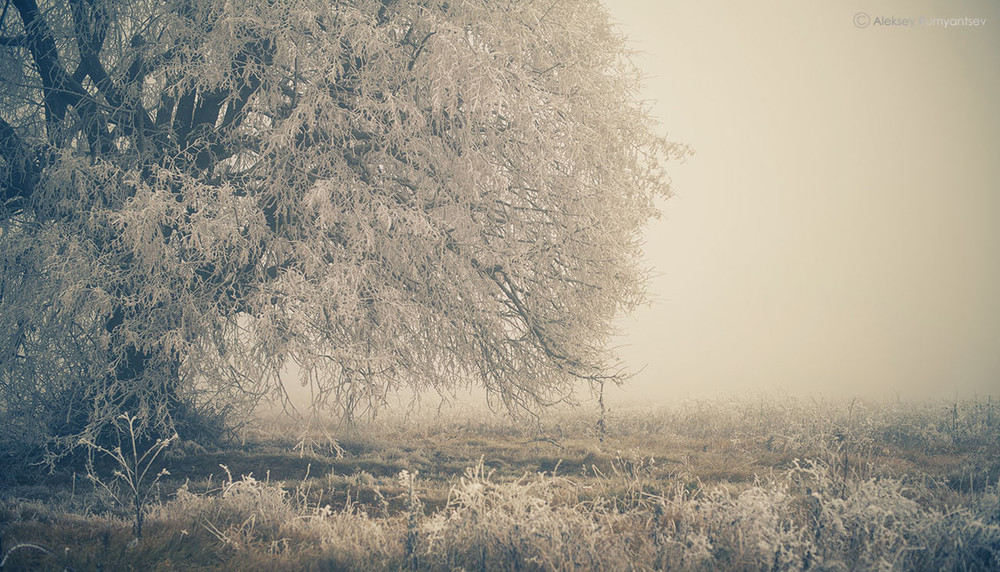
[236, 513]
[534, 523]
[253, 516]
[809, 518]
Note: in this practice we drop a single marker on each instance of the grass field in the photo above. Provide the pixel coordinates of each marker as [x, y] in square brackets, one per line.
[760, 483]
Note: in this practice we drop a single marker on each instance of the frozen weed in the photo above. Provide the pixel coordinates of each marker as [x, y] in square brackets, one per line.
[132, 470]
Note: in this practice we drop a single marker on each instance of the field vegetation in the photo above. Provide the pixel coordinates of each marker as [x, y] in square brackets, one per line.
[759, 483]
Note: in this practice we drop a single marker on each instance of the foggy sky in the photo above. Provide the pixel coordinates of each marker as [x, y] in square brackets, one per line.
[838, 230]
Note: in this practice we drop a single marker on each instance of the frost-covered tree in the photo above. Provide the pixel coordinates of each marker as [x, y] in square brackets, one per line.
[396, 194]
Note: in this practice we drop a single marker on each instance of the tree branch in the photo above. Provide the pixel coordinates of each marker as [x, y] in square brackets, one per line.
[23, 170]
[13, 41]
[61, 90]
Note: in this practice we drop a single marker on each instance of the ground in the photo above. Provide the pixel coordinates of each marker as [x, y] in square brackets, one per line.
[764, 482]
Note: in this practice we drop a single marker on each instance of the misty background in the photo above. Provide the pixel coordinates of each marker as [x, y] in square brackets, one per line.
[837, 232]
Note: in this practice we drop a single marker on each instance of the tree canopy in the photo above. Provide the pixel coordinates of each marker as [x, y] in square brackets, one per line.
[397, 194]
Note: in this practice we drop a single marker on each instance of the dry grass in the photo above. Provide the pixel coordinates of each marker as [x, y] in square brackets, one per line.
[757, 484]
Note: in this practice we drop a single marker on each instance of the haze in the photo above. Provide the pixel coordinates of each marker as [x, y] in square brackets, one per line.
[838, 231]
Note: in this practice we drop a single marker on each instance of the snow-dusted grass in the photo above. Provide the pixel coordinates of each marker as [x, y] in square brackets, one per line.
[771, 484]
